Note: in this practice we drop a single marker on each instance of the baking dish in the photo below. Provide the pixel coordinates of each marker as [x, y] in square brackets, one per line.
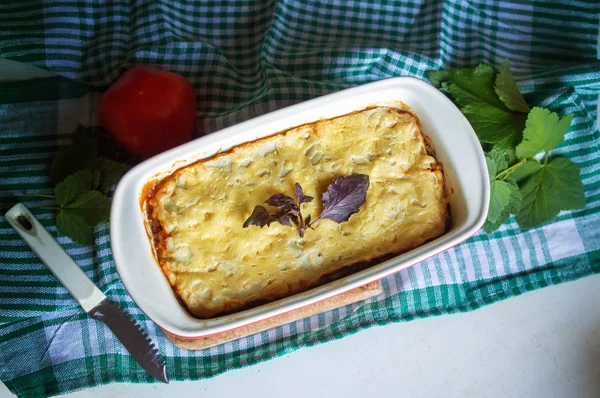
[452, 138]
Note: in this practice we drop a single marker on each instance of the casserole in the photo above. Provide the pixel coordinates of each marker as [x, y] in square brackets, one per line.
[455, 144]
[217, 264]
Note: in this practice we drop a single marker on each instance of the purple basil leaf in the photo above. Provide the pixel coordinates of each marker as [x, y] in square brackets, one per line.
[284, 217]
[299, 193]
[287, 219]
[344, 197]
[294, 219]
[281, 201]
[259, 217]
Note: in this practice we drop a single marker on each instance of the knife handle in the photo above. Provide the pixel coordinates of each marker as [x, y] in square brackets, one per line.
[55, 258]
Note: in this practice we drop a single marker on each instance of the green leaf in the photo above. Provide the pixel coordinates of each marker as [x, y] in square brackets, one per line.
[543, 132]
[91, 206]
[79, 155]
[504, 155]
[437, 77]
[524, 170]
[554, 187]
[499, 198]
[473, 90]
[500, 158]
[512, 207]
[95, 179]
[72, 187]
[74, 227]
[507, 90]
[496, 126]
[492, 168]
[81, 206]
[110, 172]
[468, 86]
[75, 198]
[565, 173]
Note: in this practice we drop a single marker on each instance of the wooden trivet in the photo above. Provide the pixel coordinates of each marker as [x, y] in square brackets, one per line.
[351, 296]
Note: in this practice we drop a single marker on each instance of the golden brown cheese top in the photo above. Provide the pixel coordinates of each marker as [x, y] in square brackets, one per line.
[216, 266]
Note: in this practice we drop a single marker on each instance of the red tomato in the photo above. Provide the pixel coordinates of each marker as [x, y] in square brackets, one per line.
[149, 110]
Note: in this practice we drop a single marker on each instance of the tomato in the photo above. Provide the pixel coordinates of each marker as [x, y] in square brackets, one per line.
[149, 110]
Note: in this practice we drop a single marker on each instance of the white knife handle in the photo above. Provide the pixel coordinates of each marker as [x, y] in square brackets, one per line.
[55, 258]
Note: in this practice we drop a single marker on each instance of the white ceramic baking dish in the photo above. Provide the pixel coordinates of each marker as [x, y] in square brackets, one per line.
[452, 138]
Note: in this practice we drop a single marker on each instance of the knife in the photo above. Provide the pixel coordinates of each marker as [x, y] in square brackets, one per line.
[91, 299]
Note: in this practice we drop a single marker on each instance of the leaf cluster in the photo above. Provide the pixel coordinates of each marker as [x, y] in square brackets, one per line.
[343, 197]
[525, 179]
[81, 181]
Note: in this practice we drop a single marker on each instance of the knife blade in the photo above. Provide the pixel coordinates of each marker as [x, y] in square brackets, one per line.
[130, 333]
[91, 299]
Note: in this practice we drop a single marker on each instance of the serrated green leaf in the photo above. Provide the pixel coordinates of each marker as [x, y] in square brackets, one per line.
[437, 77]
[513, 207]
[500, 158]
[474, 92]
[77, 156]
[496, 126]
[507, 90]
[524, 170]
[95, 179]
[469, 85]
[74, 227]
[511, 156]
[490, 227]
[500, 193]
[507, 154]
[543, 132]
[110, 172]
[91, 206]
[565, 173]
[492, 168]
[72, 187]
[554, 187]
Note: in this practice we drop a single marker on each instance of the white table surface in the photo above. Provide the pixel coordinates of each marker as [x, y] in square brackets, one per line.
[543, 344]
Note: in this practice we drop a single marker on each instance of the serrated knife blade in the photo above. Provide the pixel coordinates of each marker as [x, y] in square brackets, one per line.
[91, 299]
[133, 337]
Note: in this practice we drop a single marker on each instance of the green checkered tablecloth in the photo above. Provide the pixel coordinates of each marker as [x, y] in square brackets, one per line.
[246, 58]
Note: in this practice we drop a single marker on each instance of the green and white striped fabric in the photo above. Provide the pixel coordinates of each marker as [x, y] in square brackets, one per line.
[249, 58]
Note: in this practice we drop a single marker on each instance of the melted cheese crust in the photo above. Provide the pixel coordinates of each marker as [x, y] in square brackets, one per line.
[215, 266]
